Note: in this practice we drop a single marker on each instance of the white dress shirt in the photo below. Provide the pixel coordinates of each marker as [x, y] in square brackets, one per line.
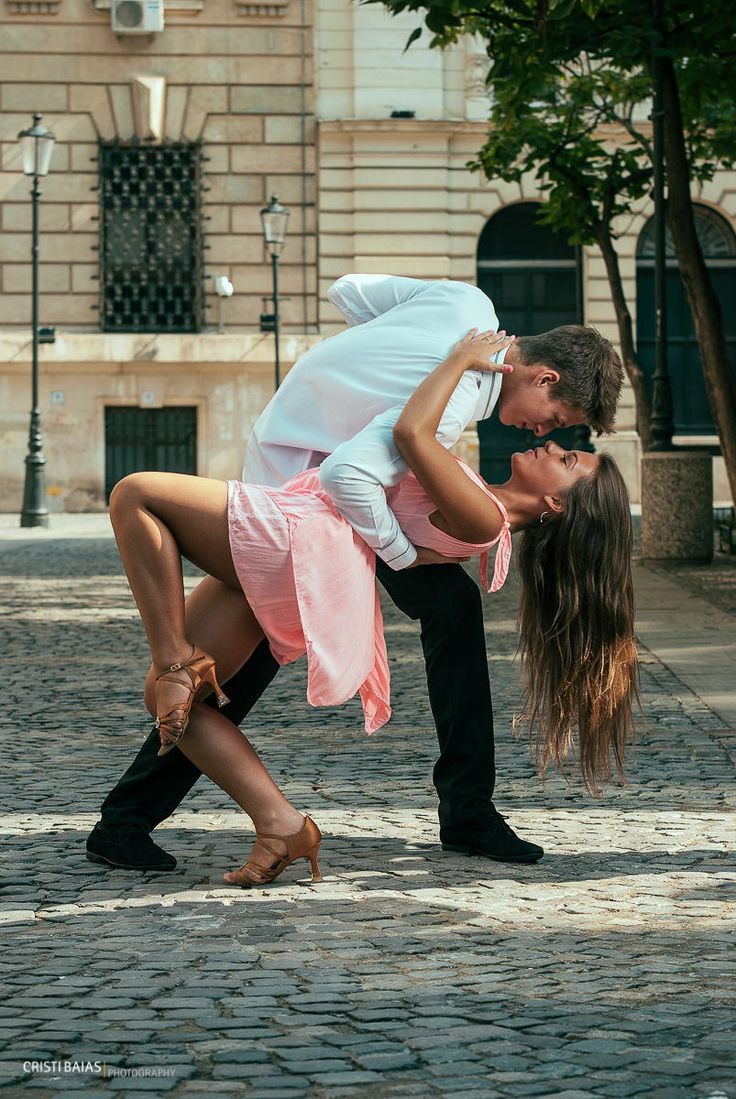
[338, 404]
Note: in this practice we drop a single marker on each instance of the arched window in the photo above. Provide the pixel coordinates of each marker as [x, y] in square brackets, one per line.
[532, 276]
[529, 271]
[716, 238]
[690, 402]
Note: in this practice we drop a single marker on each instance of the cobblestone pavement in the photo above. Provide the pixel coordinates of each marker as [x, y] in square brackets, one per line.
[605, 970]
[715, 582]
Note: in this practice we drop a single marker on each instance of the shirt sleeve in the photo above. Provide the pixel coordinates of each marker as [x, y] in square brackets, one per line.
[357, 474]
[361, 298]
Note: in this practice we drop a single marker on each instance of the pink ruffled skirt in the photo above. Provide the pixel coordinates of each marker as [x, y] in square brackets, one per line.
[310, 581]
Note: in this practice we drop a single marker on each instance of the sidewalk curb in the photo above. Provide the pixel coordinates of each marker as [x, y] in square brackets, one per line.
[691, 637]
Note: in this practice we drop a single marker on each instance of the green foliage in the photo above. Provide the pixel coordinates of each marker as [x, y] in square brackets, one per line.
[572, 136]
[570, 82]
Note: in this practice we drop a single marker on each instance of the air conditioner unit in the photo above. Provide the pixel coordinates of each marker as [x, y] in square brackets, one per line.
[137, 16]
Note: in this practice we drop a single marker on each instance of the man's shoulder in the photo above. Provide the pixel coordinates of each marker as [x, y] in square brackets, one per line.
[466, 292]
[455, 286]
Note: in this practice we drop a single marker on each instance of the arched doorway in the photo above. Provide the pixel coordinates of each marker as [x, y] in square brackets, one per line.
[691, 408]
[532, 276]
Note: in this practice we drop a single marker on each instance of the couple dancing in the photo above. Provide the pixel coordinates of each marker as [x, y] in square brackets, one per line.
[348, 476]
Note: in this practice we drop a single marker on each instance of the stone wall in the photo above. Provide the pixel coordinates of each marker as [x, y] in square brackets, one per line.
[367, 193]
[362, 71]
[229, 379]
[239, 81]
[396, 196]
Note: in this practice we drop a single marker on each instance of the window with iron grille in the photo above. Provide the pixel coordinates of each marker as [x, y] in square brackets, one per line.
[149, 438]
[151, 237]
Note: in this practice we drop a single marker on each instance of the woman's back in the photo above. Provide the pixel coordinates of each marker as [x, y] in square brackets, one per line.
[408, 500]
[413, 507]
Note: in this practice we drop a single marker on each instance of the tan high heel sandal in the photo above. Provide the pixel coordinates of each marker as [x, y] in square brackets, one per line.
[200, 667]
[303, 844]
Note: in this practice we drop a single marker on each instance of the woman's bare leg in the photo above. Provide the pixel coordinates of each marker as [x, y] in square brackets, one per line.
[219, 750]
[219, 620]
[158, 518]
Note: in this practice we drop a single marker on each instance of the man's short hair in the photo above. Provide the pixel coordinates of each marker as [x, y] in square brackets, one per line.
[591, 372]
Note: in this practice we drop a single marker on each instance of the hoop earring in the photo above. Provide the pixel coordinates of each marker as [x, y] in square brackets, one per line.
[541, 517]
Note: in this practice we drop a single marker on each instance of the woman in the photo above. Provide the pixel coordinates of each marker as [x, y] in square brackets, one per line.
[308, 582]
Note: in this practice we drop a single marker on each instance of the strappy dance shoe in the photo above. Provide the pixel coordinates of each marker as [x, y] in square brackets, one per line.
[303, 844]
[201, 671]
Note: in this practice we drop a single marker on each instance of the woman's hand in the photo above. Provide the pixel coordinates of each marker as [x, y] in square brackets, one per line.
[416, 427]
[477, 348]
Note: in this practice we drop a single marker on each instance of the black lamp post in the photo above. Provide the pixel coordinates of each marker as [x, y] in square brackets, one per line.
[662, 423]
[37, 145]
[275, 218]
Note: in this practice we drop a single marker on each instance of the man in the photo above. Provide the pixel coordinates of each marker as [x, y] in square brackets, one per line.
[336, 409]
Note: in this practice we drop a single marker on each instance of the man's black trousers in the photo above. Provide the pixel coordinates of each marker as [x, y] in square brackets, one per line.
[447, 603]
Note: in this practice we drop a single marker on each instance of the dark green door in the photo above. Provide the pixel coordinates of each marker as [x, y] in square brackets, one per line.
[162, 439]
[532, 276]
[690, 403]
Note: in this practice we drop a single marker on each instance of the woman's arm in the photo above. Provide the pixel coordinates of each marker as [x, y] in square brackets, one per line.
[463, 504]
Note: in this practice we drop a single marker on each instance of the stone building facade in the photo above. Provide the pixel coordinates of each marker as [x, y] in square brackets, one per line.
[236, 77]
[313, 100]
[396, 194]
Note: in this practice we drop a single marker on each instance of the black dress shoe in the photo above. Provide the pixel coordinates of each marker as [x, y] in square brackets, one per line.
[128, 848]
[491, 837]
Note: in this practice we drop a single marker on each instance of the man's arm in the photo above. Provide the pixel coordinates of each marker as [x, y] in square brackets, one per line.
[360, 298]
[357, 474]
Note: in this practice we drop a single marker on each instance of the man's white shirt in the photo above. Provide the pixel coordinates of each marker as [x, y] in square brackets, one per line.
[338, 404]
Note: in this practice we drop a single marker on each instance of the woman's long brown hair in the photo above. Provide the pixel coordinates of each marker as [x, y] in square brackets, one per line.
[576, 624]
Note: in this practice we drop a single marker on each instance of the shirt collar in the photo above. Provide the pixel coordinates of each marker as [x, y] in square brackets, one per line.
[489, 387]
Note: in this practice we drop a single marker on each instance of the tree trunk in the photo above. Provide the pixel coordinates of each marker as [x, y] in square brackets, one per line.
[704, 304]
[625, 334]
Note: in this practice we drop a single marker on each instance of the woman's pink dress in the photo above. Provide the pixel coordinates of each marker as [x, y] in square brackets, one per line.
[310, 580]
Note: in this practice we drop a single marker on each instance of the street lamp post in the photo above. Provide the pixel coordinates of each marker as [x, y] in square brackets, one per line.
[37, 144]
[662, 424]
[275, 218]
[676, 483]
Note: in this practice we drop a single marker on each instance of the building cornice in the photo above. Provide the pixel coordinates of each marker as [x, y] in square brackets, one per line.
[612, 131]
[33, 7]
[185, 7]
[402, 125]
[133, 351]
[277, 8]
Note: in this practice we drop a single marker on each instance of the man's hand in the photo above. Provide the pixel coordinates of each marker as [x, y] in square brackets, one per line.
[427, 556]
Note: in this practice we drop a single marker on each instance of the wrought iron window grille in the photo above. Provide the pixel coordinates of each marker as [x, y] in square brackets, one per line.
[151, 236]
[149, 438]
